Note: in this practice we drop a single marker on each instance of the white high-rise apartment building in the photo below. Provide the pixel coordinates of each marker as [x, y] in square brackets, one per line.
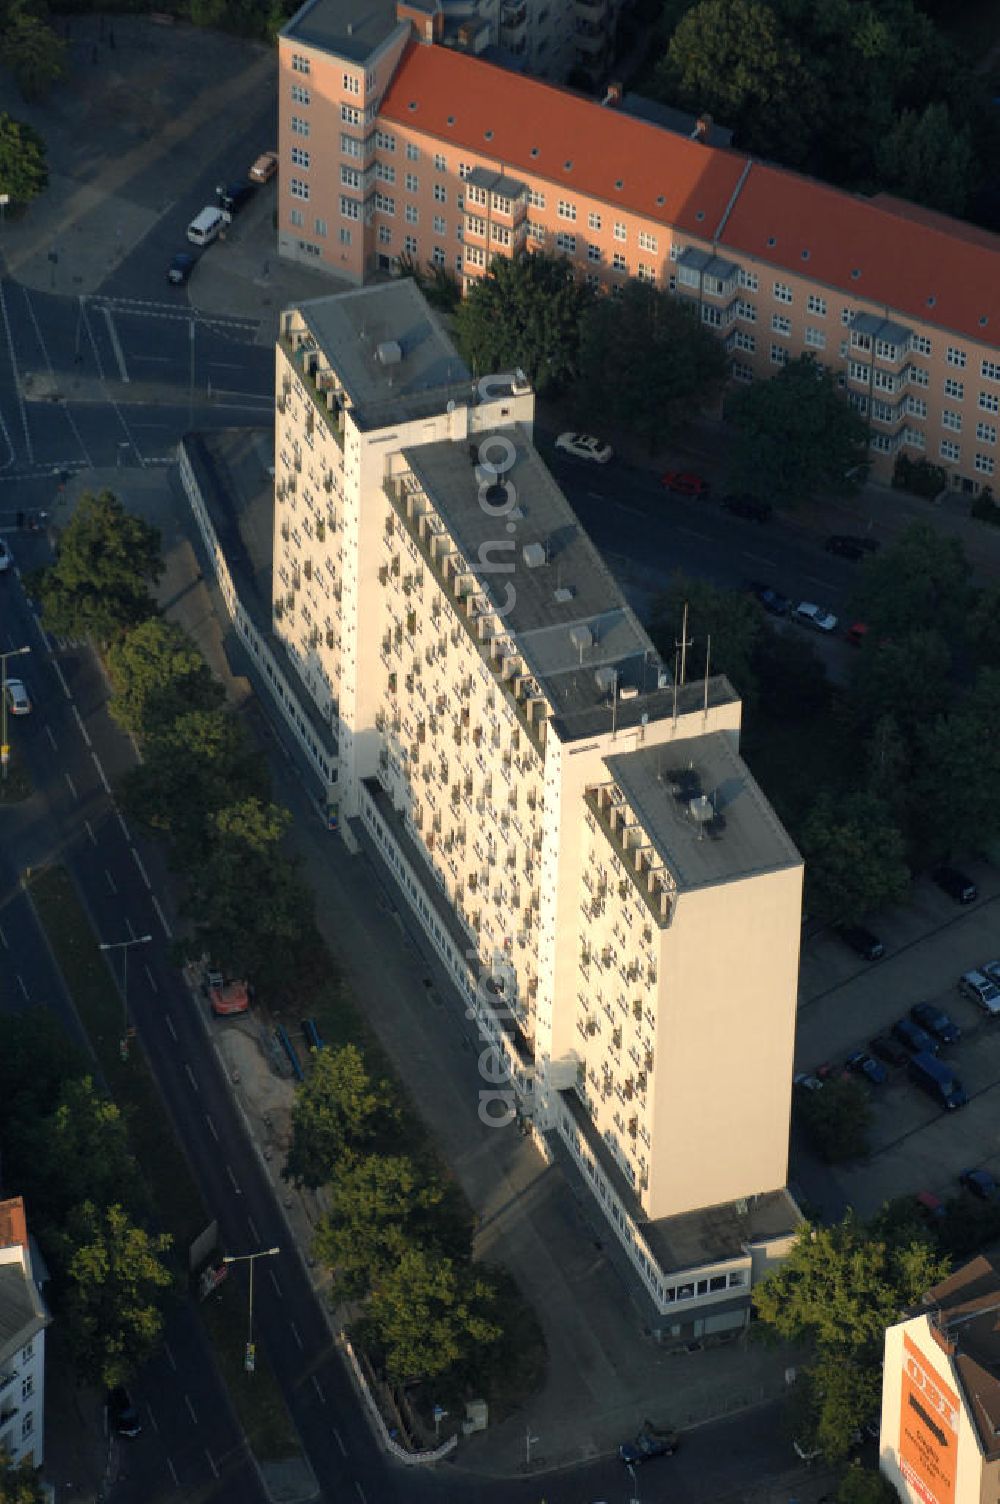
[567, 823]
[23, 1319]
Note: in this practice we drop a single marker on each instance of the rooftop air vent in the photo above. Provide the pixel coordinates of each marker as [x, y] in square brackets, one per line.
[533, 555]
[700, 809]
[581, 637]
[563, 595]
[487, 135]
[628, 692]
[389, 352]
[604, 678]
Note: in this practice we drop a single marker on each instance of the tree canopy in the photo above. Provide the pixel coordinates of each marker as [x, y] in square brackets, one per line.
[339, 1111]
[105, 562]
[21, 1484]
[924, 157]
[919, 581]
[855, 858]
[425, 1312]
[35, 54]
[728, 623]
[796, 435]
[158, 673]
[837, 1120]
[23, 168]
[525, 312]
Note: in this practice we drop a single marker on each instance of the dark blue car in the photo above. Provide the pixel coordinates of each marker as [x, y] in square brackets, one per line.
[916, 1039]
[863, 1064]
[935, 1022]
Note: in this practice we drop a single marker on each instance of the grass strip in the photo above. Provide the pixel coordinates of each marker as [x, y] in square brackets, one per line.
[256, 1398]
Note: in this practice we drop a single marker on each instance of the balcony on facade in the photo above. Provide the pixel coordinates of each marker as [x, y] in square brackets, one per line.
[591, 38]
[648, 877]
[320, 383]
[703, 276]
[878, 337]
[472, 609]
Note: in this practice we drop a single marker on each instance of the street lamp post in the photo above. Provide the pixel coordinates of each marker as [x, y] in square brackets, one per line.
[124, 946]
[250, 1258]
[635, 1485]
[4, 746]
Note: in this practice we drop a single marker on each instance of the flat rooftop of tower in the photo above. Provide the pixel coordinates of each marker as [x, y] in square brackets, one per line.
[389, 351]
[351, 29]
[703, 811]
[561, 606]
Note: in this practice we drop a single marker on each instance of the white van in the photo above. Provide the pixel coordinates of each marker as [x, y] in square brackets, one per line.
[208, 225]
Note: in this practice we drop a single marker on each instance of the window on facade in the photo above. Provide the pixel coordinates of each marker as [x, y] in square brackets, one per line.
[440, 165]
[920, 343]
[986, 433]
[352, 83]
[536, 232]
[955, 356]
[743, 341]
[350, 208]
[916, 407]
[300, 127]
[566, 243]
[349, 115]
[954, 388]
[647, 242]
[438, 255]
[781, 323]
[295, 219]
[500, 234]
[536, 199]
[300, 63]
[350, 177]
[27, 1386]
[845, 316]
[385, 141]
[951, 419]
[298, 189]
[710, 315]
[984, 464]
[815, 338]
[620, 230]
[648, 274]
[565, 209]
[411, 214]
[749, 280]
[990, 370]
[915, 437]
[464, 169]
[27, 1424]
[321, 228]
[918, 376]
[949, 450]
[345, 234]
[439, 225]
[384, 204]
[619, 262]
[410, 245]
[440, 193]
[350, 146]
[782, 292]
[779, 355]
[300, 156]
[593, 221]
[747, 312]
[384, 234]
[412, 184]
[412, 152]
[989, 402]
[385, 173]
[816, 304]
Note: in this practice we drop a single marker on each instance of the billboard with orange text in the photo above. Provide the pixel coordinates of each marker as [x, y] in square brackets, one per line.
[928, 1429]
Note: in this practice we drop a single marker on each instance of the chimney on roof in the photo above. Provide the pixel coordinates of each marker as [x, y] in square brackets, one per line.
[702, 128]
[613, 97]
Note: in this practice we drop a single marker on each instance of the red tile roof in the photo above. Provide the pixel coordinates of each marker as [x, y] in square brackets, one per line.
[917, 264]
[537, 128]
[911, 265]
[13, 1224]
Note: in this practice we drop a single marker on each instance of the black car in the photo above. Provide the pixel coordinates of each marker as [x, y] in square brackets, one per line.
[180, 268]
[123, 1417]
[979, 1183]
[887, 1049]
[745, 505]
[772, 600]
[957, 886]
[233, 196]
[863, 1064]
[862, 941]
[850, 546]
[916, 1039]
[935, 1022]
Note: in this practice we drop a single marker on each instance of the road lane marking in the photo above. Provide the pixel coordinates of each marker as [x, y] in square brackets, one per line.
[173, 1472]
[295, 1334]
[69, 780]
[38, 333]
[212, 1128]
[170, 1356]
[121, 822]
[211, 1462]
[20, 983]
[62, 678]
[48, 733]
[233, 1181]
[93, 838]
[690, 532]
[162, 917]
[138, 863]
[322, 1396]
[340, 1441]
[274, 1282]
[115, 344]
[187, 1401]
[112, 885]
[83, 730]
[361, 1492]
[17, 378]
[190, 1076]
[152, 1419]
[101, 773]
[170, 1025]
[150, 978]
[253, 1230]
[128, 926]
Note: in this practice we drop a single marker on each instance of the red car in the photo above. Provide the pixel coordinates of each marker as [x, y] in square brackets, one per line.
[685, 483]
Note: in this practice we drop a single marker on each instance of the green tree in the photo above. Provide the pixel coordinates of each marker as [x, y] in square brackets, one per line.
[24, 172]
[983, 627]
[797, 435]
[157, 673]
[428, 1314]
[791, 675]
[115, 1285]
[924, 157]
[865, 1485]
[525, 312]
[847, 1396]
[646, 361]
[104, 563]
[191, 770]
[20, 1484]
[855, 858]
[891, 678]
[837, 1120]
[80, 1149]
[920, 581]
[36, 1063]
[727, 624]
[339, 1111]
[33, 52]
[735, 59]
[957, 772]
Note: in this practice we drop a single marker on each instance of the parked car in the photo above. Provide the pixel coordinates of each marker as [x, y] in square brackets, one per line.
[181, 266]
[686, 483]
[916, 1039]
[888, 1049]
[863, 1064]
[983, 988]
[123, 1417]
[938, 1080]
[17, 697]
[772, 600]
[930, 1205]
[264, 168]
[850, 546]
[752, 508]
[862, 941]
[957, 886]
[979, 1183]
[992, 970]
[817, 617]
[583, 446]
[233, 196]
[806, 1081]
[856, 633]
[648, 1444]
[936, 1022]
[6, 557]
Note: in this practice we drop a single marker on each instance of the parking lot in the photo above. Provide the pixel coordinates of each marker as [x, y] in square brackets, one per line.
[844, 1002]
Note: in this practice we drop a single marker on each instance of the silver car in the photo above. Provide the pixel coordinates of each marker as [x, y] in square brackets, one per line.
[981, 987]
[817, 617]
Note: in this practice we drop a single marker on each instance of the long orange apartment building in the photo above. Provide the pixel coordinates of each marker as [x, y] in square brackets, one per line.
[394, 143]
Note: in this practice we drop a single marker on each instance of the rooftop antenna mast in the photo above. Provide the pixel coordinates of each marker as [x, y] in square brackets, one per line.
[614, 704]
[676, 661]
[684, 644]
[708, 659]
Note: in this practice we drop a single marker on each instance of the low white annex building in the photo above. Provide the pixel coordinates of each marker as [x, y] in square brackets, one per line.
[23, 1319]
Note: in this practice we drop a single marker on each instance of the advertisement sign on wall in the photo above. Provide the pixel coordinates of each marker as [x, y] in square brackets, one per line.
[928, 1429]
